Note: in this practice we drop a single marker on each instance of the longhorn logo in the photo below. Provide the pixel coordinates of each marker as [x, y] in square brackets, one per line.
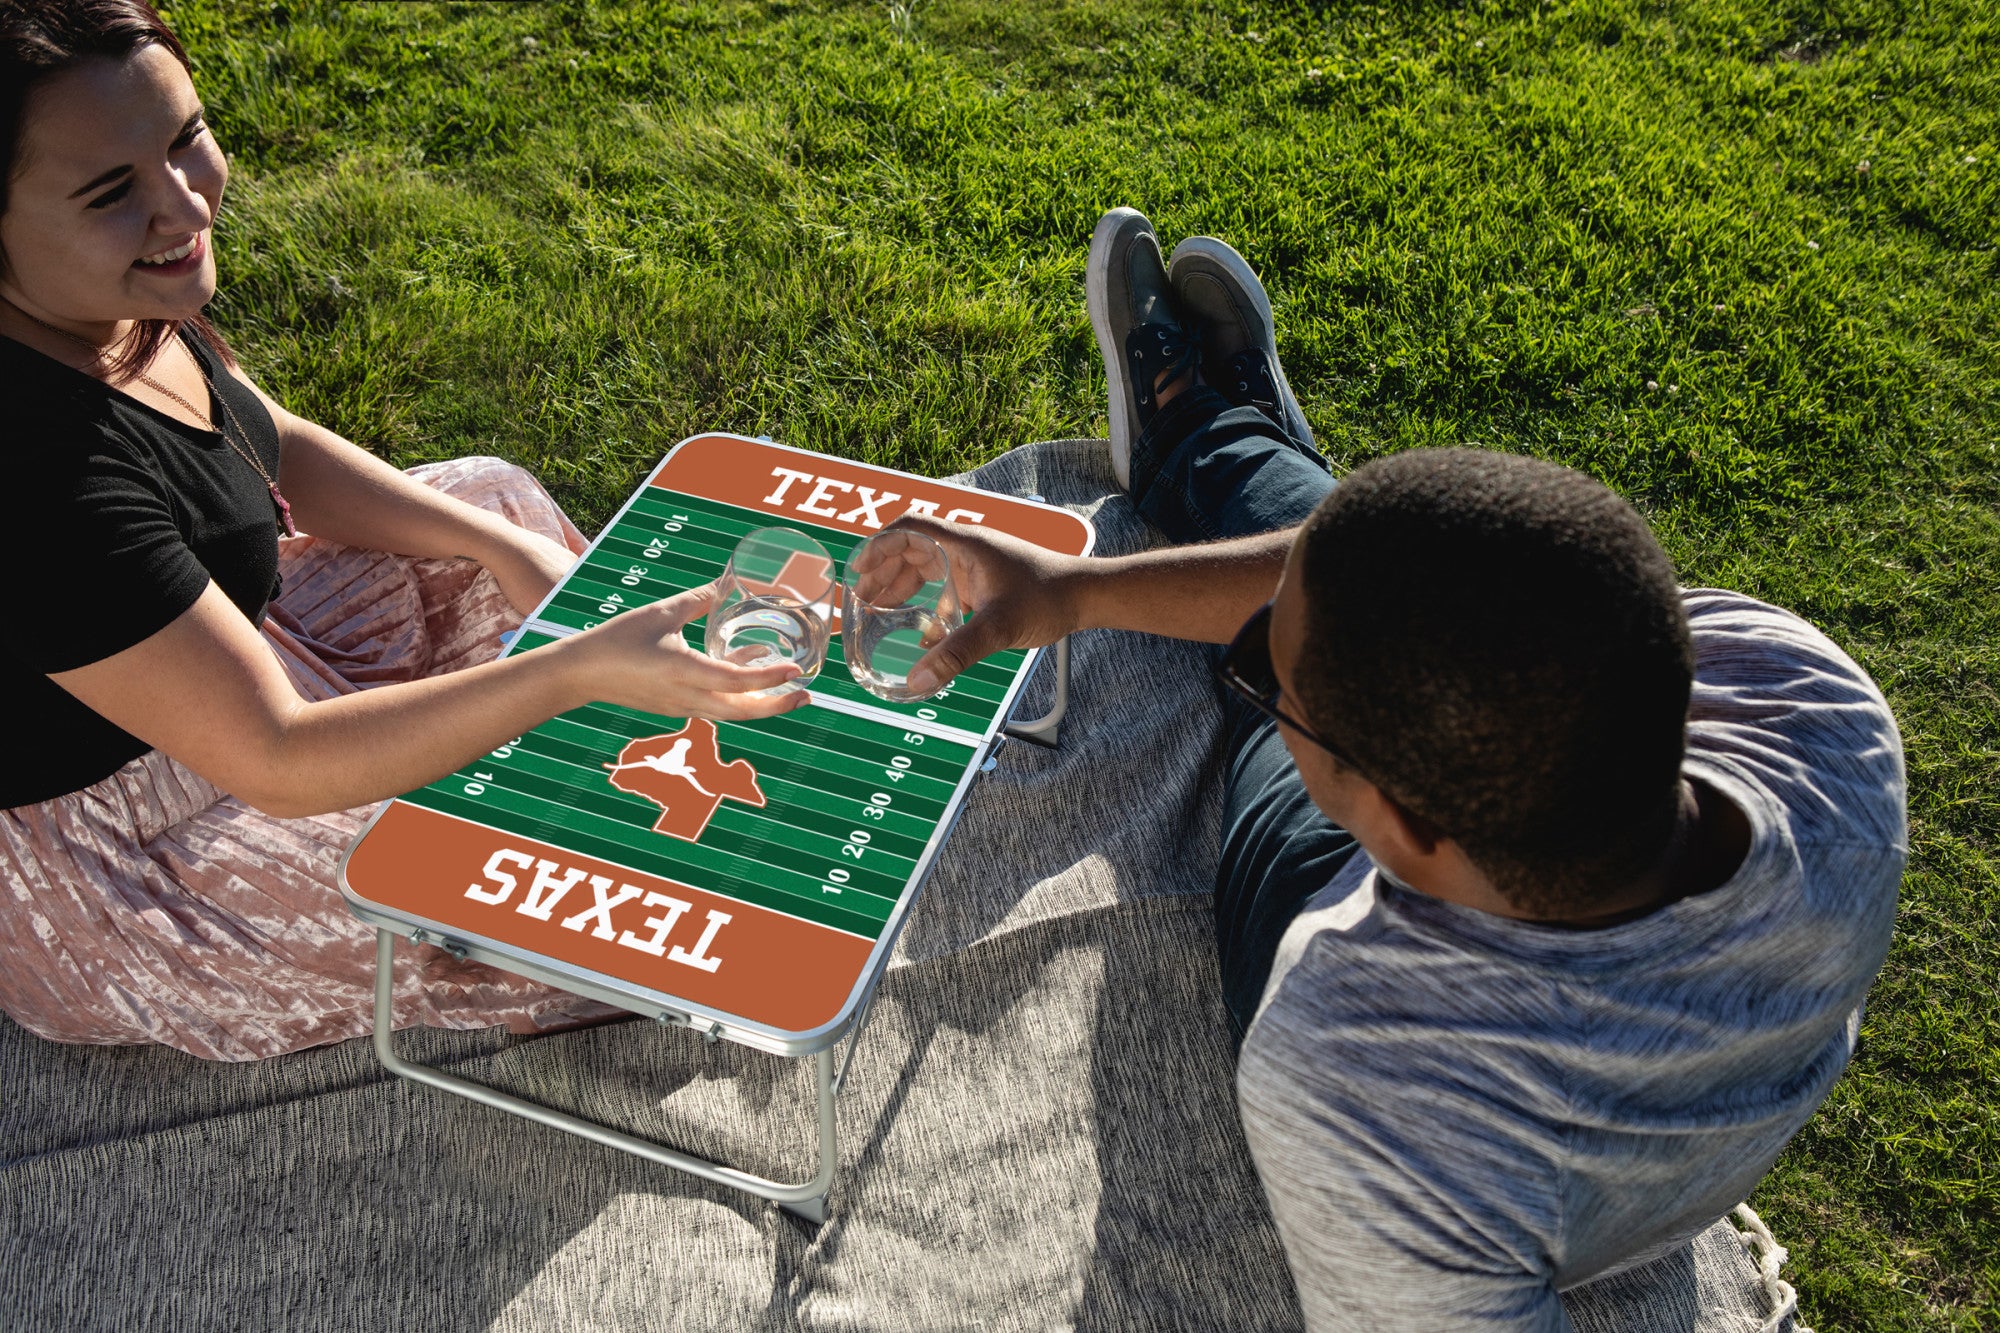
[683, 774]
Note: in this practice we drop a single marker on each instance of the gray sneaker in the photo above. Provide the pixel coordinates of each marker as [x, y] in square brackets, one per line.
[1220, 293]
[1138, 330]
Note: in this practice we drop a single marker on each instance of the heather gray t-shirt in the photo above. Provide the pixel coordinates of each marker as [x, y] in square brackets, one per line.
[1458, 1116]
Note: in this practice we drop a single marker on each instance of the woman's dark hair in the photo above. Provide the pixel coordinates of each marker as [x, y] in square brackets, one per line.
[1500, 644]
[40, 39]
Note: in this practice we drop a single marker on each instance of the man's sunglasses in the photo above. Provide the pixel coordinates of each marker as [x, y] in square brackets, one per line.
[1245, 667]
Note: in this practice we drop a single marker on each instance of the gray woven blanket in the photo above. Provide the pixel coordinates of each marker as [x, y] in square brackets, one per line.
[1039, 1132]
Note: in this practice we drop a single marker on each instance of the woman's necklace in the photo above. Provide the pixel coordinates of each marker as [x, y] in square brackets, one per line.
[228, 418]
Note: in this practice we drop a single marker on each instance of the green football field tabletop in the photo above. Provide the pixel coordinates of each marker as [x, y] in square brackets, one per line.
[748, 878]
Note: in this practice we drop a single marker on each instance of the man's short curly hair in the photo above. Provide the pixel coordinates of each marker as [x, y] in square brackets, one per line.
[1500, 644]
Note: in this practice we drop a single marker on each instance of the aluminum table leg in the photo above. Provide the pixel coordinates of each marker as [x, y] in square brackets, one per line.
[1046, 729]
[807, 1200]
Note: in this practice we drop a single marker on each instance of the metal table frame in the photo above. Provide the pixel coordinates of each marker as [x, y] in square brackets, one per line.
[807, 1200]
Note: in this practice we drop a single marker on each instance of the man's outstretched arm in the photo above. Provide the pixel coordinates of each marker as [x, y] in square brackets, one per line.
[1028, 597]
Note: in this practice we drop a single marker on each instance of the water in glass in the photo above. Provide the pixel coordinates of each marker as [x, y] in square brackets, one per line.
[775, 605]
[765, 631]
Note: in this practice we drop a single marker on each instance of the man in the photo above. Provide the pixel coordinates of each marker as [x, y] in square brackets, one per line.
[1548, 893]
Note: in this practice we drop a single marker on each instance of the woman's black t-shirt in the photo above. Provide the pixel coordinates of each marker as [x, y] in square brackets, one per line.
[113, 522]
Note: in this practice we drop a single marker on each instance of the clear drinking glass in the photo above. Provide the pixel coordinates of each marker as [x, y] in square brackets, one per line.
[896, 604]
[776, 605]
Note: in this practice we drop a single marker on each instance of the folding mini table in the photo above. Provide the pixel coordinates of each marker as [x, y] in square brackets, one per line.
[743, 879]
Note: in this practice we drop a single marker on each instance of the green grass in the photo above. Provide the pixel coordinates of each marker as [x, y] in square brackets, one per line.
[574, 233]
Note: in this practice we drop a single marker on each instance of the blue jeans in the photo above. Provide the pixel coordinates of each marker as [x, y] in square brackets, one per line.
[1204, 471]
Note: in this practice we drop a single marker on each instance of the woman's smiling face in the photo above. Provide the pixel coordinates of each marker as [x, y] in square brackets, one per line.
[116, 185]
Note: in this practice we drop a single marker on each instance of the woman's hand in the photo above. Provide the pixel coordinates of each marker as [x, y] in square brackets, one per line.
[638, 659]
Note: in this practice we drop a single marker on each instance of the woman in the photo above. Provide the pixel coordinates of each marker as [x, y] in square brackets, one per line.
[194, 718]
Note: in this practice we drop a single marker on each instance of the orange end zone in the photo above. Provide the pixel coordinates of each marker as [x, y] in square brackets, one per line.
[852, 497]
[716, 952]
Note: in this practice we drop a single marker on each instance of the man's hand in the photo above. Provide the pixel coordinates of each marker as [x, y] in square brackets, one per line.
[1028, 597]
[1019, 595]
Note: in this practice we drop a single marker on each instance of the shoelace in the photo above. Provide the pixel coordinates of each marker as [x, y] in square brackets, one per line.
[1158, 352]
[1250, 373]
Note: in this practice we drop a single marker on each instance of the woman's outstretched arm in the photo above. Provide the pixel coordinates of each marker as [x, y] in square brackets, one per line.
[208, 691]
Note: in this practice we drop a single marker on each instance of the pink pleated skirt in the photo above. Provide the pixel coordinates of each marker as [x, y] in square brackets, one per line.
[152, 907]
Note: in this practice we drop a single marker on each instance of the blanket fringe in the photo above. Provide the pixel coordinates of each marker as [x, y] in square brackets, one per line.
[1769, 1256]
